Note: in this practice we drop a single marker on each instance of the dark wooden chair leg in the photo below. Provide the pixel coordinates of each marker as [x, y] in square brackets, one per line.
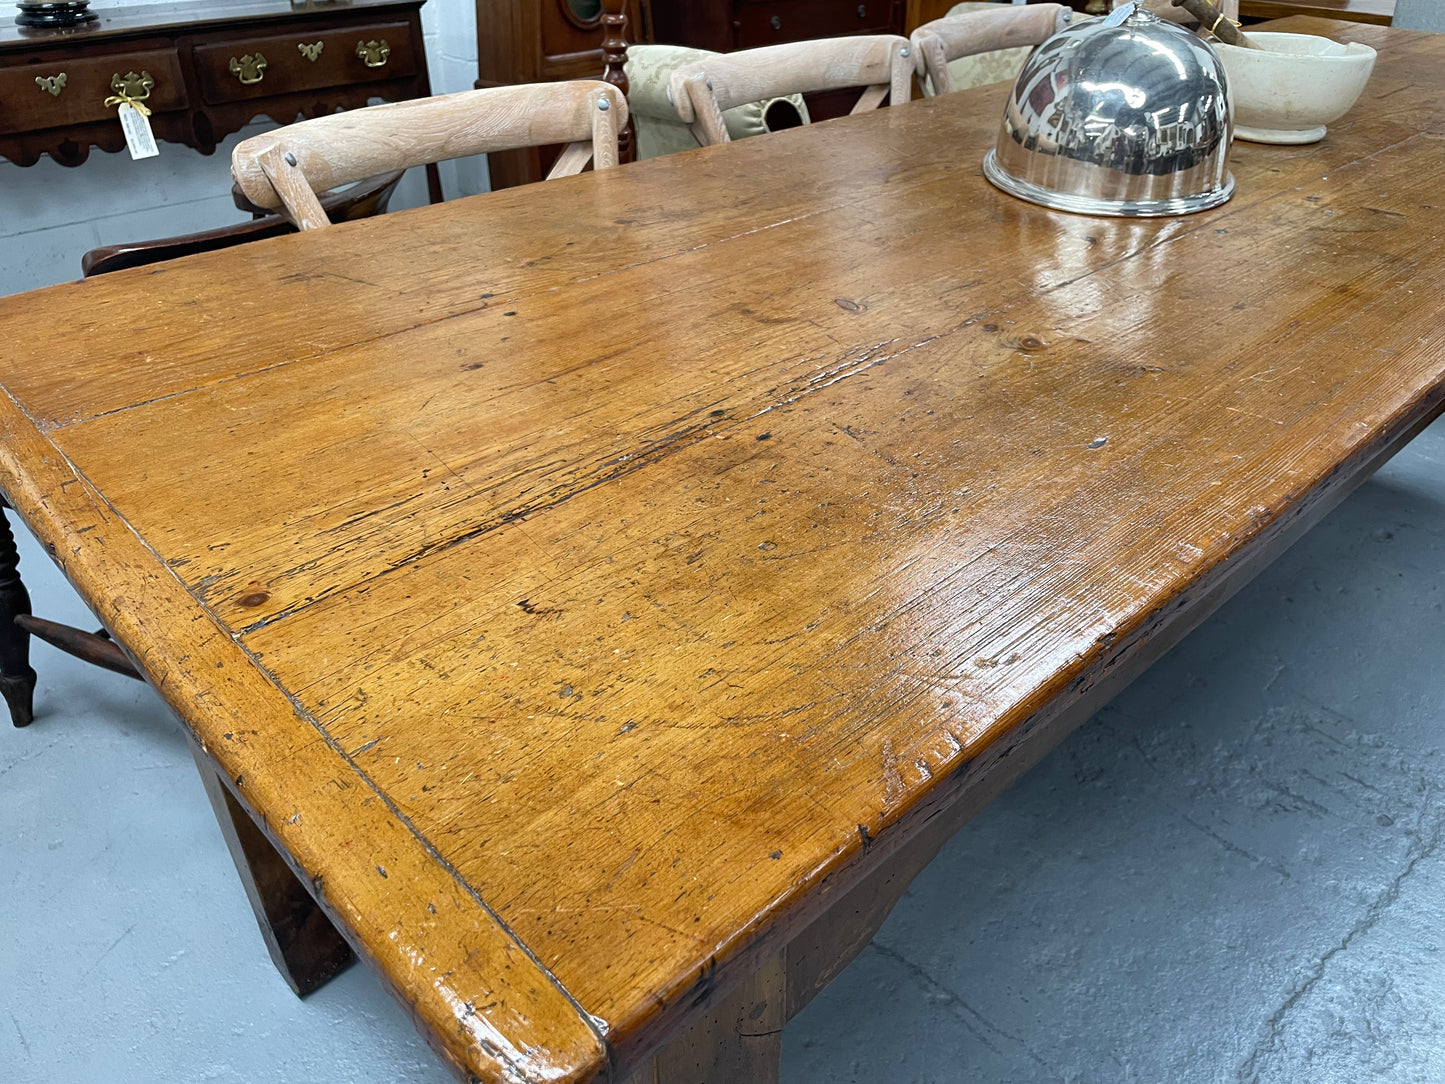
[96, 648]
[303, 943]
[17, 679]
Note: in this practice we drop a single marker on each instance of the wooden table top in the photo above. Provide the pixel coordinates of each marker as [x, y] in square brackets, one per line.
[574, 578]
[1379, 12]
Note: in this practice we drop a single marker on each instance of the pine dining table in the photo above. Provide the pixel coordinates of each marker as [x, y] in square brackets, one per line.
[591, 603]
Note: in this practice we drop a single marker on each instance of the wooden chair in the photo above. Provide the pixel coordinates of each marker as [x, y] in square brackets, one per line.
[361, 200]
[884, 64]
[649, 71]
[978, 30]
[284, 169]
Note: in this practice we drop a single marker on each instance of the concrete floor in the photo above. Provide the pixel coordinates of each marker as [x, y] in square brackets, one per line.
[1233, 873]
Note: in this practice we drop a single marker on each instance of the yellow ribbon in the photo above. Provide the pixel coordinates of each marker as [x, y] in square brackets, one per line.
[120, 98]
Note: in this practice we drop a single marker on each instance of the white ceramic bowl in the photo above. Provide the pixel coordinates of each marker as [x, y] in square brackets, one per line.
[1287, 91]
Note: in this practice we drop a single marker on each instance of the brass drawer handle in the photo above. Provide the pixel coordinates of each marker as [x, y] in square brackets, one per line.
[862, 11]
[135, 87]
[776, 23]
[249, 69]
[311, 52]
[373, 53]
[51, 84]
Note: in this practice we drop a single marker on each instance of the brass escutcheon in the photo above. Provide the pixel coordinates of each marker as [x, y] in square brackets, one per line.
[311, 52]
[135, 87]
[373, 53]
[51, 84]
[250, 68]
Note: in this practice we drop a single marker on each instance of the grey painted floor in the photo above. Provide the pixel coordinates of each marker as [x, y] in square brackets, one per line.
[1233, 873]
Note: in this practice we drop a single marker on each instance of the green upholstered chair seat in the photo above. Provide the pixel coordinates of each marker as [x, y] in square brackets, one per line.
[659, 131]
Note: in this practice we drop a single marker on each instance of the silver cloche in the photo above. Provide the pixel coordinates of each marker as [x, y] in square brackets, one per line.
[1128, 115]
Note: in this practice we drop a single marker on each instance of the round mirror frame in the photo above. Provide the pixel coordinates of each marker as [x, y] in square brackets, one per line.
[579, 20]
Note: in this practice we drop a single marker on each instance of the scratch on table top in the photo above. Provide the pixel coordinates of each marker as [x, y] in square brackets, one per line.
[893, 788]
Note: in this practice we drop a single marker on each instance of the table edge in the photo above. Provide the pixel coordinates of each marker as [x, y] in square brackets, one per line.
[136, 597]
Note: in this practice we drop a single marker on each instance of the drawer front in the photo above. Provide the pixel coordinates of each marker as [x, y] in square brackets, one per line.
[27, 106]
[234, 71]
[775, 21]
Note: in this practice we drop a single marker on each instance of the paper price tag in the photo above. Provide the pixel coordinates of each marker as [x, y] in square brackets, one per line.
[139, 139]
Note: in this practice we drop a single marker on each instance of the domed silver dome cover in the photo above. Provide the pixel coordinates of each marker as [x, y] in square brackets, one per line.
[1128, 115]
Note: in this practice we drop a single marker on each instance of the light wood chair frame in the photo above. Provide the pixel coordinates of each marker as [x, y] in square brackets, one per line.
[956, 36]
[883, 64]
[284, 169]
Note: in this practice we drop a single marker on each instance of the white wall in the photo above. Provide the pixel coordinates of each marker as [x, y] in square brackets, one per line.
[51, 215]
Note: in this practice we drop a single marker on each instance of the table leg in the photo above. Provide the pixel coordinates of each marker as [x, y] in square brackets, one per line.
[741, 1039]
[17, 679]
[303, 943]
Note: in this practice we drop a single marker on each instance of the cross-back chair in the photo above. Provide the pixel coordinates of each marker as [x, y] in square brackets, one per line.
[883, 64]
[284, 169]
[972, 33]
[649, 98]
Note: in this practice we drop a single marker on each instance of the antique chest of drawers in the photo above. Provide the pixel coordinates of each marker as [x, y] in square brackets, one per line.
[204, 69]
[724, 25]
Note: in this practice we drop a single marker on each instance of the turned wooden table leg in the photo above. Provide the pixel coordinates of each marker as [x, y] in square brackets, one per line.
[17, 679]
[303, 943]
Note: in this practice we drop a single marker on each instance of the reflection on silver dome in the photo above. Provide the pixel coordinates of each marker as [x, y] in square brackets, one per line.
[1128, 115]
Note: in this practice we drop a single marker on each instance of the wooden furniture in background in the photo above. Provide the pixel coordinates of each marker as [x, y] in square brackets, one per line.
[205, 70]
[535, 41]
[531, 40]
[919, 12]
[726, 25]
[610, 598]
[1378, 12]
[361, 200]
[284, 169]
[944, 40]
[881, 65]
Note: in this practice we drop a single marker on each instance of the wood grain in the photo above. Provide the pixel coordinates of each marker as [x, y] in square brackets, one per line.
[1378, 12]
[653, 604]
[284, 168]
[289, 188]
[478, 995]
